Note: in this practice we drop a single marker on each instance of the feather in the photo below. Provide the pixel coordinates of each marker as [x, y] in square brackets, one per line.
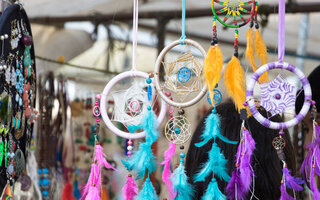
[235, 189]
[212, 130]
[181, 186]
[260, 47]
[166, 169]
[93, 194]
[249, 50]
[292, 182]
[245, 169]
[148, 192]
[313, 185]
[284, 194]
[234, 80]
[76, 191]
[67, 192]
[143, 159]
[215, 164]
[213, 192]
[212, 68]
[100, 157]
[104, 194]
[93, 181]
[129, 190]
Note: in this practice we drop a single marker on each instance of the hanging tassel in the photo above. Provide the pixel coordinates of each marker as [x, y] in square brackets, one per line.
[213, 192]
[148, 192]
[181, 186]
[93, 194]
[313, 185]
[166, 169]
[104, 194]
[239, 185]
[284, 194]
[235, 189]
[76, 191]
[67, 192]
[143, 159]
[260, 47]
[93, 184]
[129, 190]
[249, 50]
[235, 82]
[215, 164]
[212, 68]
[100, 157]
[292, 182]
[212, 130]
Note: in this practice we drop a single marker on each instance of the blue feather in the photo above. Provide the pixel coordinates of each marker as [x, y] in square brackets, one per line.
[181, 186]
[215, 164]
[133, 128]
[76, 192]
[213, 192]
[212, 130]
[143, 159]
[148, 192]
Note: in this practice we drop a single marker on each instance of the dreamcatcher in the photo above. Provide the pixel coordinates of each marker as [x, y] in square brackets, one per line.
[277, 97]
[182, 80]
[134, 109]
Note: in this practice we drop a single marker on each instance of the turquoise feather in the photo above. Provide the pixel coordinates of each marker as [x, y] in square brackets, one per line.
[148, 192]
[215, 164]
[213, 192]
[181, 186]
[212, 130]
[143, 159]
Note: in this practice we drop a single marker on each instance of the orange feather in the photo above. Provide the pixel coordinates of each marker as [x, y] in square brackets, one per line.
[249, 50]
[234, 81]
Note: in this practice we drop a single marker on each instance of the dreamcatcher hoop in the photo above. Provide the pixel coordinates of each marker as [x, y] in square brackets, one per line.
[236, 13]
[106, 92]
[157, 68]
[307, 93]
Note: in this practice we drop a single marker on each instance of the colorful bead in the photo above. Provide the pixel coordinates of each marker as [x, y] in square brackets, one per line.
[181, 147]
[177, 131]
[182, 155]
[181, 160]
[149, 81]
[149, 108]
[129, 148]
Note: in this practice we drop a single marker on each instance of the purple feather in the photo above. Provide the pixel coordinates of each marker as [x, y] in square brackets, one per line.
[246, 173]
[235, 189]
[284, 194]
[292, 182]
[313, 185]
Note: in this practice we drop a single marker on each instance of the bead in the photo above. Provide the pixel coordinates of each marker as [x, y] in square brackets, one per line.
[6, 36]
[45, 171]
[45, 193]
[281, 132]
[245, 103]
[98, 96]
[149, 108]
[129, 153]
[168, 94]
[97, 120]
[313, 102]
[181, 160]
[27, 40]
[180, 111]
[277, 96]
[129, 142]
[45, 182]
[177, 131]
[129, 148]
[149, 80]
[4, 67]
[2, 37]
[39, 171]
[182, 155]
[1, 67]
[214, 111]
[181, 147]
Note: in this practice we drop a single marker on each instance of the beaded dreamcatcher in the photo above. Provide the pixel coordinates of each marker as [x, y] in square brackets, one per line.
[278, 97]
[134, 108]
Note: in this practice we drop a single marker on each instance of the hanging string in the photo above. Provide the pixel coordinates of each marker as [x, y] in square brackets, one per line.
[183, 25]
[134, 34]
[281, 30]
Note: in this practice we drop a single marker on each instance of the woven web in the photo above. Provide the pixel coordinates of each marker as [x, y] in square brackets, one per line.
[130, 105]
[184, 126]
[183, 75]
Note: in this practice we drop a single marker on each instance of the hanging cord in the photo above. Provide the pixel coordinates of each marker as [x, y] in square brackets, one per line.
[281, 30]
[183, 25]
[134, 34]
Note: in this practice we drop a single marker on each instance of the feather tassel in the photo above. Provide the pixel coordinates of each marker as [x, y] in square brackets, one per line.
[166, 170]
[212, 130]
[249, 50]
[235, 189]
[284, 194]
[67, 192]
[143, 160]
[234, 80]
[129, 190]
[213, 192]
[313, 185]
[91, 189]
[100, 157]
[292, 182]
[260, 47]
[215, 164]
[212, 68]
[76, 191]
[181, 186]
[148, 192]
[93, 194]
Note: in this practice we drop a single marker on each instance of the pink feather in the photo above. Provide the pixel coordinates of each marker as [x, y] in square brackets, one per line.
[100, 157]
[94, 181]
[129, 190]
[284, 194]
[166, 169]
[93, 194]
